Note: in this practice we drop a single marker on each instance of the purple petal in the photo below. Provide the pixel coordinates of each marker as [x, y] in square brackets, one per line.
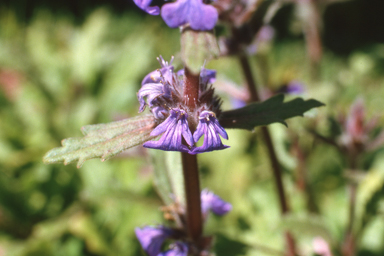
[164, 73]
[161, 128]
[295, 87]
[174, 128]
[208, 76]
[210, 128]
[199, 15]
[144, 5]
[151, 91]
[214, 203]
[151, 239]
[219, 128]
[201, 129]
[178, 249]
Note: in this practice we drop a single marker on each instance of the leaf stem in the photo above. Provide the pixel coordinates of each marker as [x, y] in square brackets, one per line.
[251, 84]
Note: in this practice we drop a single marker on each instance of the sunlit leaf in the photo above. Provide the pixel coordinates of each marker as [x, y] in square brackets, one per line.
[168, 176]
[197, 47]
[273, 110]
[306, 225]
[103, 140]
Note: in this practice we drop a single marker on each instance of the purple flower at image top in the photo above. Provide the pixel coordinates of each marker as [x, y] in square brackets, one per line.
[162, 91]
[195, 13]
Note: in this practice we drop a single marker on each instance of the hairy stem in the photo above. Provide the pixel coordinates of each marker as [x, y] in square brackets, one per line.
[271, 152]
[191, 88]
[190, 167]
[192, 194]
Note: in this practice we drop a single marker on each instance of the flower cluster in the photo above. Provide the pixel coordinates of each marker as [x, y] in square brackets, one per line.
[162, 91]
[153, 238]
[195, 13]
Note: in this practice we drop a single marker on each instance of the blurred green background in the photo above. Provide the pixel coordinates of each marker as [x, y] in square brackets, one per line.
[67, 64]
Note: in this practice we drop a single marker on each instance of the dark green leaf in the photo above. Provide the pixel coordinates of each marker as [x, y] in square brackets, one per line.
[226, 246]
[103, 140]
[273, 110]
[197, 47]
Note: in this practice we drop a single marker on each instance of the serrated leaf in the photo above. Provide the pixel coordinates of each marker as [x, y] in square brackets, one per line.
[273, 110]
[197, 47]
[103, 140]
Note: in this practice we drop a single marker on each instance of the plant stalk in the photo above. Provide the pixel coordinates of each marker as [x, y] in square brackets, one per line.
[192, 194]
[251, 84]
[190, 167]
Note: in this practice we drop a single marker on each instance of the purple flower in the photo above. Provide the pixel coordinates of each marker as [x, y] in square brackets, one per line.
[295, 87]
[164, 74]
[214, 203]
[151, 91]
[207, 76]
[177, 249]
[210, 128]
[198, 15]
[144, 5]
[151, 238]
[174, 128]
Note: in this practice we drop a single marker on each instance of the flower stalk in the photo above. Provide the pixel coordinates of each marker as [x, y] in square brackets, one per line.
[190, 167]
[254, 97]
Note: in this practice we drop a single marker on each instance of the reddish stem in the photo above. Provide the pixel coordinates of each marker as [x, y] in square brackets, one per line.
[191, 88]
[271, 151]
[190, 168]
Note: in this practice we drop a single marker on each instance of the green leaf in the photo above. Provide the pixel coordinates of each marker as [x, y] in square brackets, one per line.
[306, 225]
[227, 246]
[273, 110]
[197, 47]
[103, 140]
[168, 172]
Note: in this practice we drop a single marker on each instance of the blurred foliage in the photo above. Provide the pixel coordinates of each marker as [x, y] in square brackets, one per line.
[56, 76]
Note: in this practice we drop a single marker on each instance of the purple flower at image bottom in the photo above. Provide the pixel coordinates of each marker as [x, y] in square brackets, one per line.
[177, 249]
[151, 238]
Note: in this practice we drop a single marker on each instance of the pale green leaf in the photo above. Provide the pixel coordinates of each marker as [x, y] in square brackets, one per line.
[168, 176]
[103, 140]
[197, 47]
